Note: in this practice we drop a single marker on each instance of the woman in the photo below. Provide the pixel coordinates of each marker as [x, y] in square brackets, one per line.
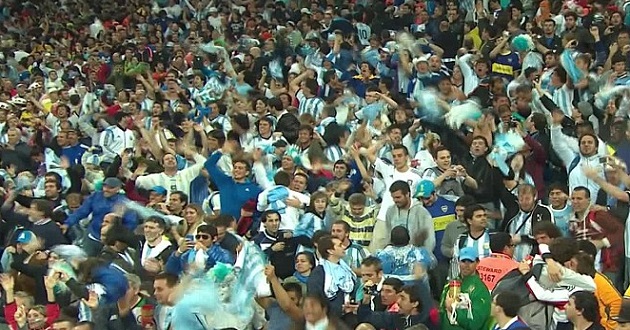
[333, 278]
[193, 218]
[304, 264]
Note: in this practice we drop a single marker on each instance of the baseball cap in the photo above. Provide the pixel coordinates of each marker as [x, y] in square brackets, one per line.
[112, 182]
[468, 253]
[424, 189]
[25, 236]
[624, 313]
[160, 190]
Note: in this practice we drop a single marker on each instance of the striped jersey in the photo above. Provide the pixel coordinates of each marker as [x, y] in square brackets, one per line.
[310, 105]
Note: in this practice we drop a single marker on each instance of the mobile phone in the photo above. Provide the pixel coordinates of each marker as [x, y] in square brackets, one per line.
[603, 160]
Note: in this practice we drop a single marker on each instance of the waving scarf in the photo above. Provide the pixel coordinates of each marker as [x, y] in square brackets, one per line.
[277, 197]
[338, 277]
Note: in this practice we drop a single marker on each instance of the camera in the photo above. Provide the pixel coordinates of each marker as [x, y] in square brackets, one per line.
[513, 124]
[370, 290]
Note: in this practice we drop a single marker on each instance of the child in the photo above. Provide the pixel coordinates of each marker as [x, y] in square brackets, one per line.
[313, 220]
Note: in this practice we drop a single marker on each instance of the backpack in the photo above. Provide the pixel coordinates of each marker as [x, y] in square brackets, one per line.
[536, 314]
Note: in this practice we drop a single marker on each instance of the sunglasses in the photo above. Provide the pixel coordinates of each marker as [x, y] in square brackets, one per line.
[204, 237]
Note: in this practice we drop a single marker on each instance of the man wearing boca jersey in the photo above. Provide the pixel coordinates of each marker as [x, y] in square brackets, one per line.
[442, 211]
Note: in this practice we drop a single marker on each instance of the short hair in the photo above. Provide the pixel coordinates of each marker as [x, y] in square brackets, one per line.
[466, 201]
[357, 199]
[264, 215]
[223, 220]
[401, 147]
[499, 240]
[318, 235]
[45, 206]
[282, 178]
[400, 236]
[156, 220]
[471, 209]
[208, 229]
[171, 279]
[481, 138]
[584, 189]
[293, 287]
[400, 185]
[586, 302]
[562, 249]
[585, 264]
[372, 261]
[324, 244]
[345, 225]
[587, 247]
[182, 196]
[509, 302]
[414, 295]
[395, 283]
[548, 228]
[559, 186]
[527, 188]
[134, 280]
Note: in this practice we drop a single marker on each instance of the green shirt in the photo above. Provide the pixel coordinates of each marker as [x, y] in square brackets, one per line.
[480, 304]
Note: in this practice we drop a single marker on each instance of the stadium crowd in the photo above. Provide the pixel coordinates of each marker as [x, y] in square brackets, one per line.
[294, 164]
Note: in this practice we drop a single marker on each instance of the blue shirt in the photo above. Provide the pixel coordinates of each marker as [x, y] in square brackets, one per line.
[233, 195]
[98, 205]
[443, 213]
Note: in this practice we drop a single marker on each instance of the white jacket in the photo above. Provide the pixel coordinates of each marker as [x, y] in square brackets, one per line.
[114, 141]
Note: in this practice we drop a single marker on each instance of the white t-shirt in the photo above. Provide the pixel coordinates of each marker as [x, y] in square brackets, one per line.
[390, 175]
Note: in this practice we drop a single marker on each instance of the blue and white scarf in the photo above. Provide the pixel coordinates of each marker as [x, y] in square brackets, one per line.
[337, 277]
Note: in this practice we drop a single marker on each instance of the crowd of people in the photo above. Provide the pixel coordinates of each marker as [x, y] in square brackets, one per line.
[293, 164]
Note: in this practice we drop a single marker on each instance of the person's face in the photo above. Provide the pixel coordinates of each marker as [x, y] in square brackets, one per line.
[459, 212]
[369, 273]
[542, 238]
[357, 209]
[478, 148]
[445, 86]
[399, 157]
[162, 292]
[549, 28]
[239, 171]
[337, 231]
[304, 137]
[299, 183]
[169, 161]
[337, 250]
[579, 201]
[443, 159]
[623, 39]
[402, 200]
[405, 304]
[110, 191]
[35, 319]
[190, 215]
[273, 223]
[320, 204]
[619, 67]
[155, 197]
[479, 220]
[152, 230]
[13, 136]
[526, 201]
[175, 202]
[550, 61]
[571, 311]
[264, 128]
[302, 264]
[557, 198]
[221, 232]
[312, 310]
[587, 146]
[50, 190]
[204, 238]
[389, 296]
[569, 22]
[340, 170]
[467, 267]
[73, 204]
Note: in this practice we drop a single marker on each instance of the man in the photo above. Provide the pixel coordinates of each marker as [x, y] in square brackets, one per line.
[37, 219]
[384, 301]
[278, 248]
[98, 205]
[545, 232]
[172, 179]
[373, 280]
[118, 138]
[562, 211]
[409, 213]
[408, 315]
[493, 268]
[399, 171]
[360, 217]
[504, 310]
[355, 253]
[443, 213]
[235, 190]
[447, 177]
[471, 308]
[63, 323]
[522, 213]
[15, 151]
[600, 227]
[164, 287]
[477, 235]
[583, 311]
[154, 249]
[455, 228]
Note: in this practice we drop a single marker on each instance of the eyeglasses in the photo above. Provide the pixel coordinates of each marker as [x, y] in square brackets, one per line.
[204, 237]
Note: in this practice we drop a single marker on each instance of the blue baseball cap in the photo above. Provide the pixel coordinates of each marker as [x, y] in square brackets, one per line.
[113, 182]
[468, 253]
[424, 189]
[160, 190]
[26, 236]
